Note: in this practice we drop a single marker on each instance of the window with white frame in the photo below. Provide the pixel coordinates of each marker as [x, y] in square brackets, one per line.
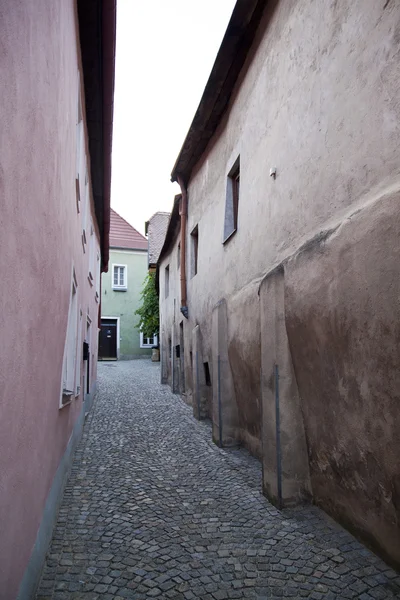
[80, 150]
[85, 212]
[92, 254]
[119, 277]
[78, 360]
[98, 277]
[70, 352]
[148, 342]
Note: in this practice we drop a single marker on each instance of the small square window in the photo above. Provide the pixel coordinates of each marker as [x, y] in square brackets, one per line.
[207, 375]
[119, 278]
[194, 238]
[148, 342]
[232, 201]
[167, 281]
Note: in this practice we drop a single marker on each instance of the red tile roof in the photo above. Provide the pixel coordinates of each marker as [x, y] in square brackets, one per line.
[123, 235]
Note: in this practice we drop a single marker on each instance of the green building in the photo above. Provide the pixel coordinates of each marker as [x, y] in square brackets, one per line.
[121, 287]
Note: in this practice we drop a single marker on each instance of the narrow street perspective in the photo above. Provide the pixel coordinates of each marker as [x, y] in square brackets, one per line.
[199, 266]
[154, 508]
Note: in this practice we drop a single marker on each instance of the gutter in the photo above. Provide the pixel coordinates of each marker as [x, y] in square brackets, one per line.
[240, 37]
[109, 15]
[183, 216]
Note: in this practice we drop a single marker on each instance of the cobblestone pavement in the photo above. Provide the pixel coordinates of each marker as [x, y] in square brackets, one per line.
[153, 509]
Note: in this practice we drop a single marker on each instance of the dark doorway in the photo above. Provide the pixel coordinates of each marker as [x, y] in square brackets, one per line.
[108, 340]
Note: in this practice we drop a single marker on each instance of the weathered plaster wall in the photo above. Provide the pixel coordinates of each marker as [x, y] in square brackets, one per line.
[123, 304]
[286, 478]
[40, 242]
[319, 101]
[342, 318]
[170, 319]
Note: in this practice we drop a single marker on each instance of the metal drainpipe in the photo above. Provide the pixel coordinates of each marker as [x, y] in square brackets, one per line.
[278, 438]
[197, 384]
[219, 403]
[183, 215]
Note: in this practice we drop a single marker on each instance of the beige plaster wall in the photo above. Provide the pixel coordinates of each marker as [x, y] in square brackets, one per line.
[342, 318]
[170, 317]
[318, 100]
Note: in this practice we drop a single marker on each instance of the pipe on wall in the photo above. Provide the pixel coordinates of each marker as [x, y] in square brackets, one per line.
[219, 403]
[278, 438]
[183, 215]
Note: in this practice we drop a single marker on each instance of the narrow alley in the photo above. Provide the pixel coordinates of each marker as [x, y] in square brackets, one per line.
[154, 509]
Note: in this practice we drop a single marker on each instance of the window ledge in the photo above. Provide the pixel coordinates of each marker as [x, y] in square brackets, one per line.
[66, 399]
[120, 289]
[78, 196]
[229, 236]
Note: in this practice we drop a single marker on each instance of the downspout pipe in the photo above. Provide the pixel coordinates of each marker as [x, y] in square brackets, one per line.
[183, 215]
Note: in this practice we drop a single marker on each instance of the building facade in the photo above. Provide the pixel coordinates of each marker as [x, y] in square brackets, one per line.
[278, 278]
[120, 337]
[56, 121]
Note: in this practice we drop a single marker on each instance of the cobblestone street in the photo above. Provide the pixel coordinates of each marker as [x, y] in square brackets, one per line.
[153, 509]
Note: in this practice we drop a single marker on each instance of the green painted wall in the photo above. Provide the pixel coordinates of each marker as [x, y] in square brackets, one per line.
[123, 304]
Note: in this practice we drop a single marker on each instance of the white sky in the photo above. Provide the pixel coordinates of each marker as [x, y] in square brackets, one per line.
[165, 53]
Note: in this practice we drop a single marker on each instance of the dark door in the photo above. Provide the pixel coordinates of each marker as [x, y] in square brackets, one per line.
[108, 341]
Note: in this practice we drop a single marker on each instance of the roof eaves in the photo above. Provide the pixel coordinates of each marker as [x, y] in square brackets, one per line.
[231, 57]
[128, 248]
[97, 34]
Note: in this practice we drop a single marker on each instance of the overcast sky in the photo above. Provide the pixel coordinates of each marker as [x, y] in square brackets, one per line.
[165, 52]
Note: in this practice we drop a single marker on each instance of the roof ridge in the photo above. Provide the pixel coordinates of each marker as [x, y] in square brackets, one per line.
[159, 212]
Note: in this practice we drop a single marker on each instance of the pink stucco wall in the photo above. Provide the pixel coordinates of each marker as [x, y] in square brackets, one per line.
[40, 241]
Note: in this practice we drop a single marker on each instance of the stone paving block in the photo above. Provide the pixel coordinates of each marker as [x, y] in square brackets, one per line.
[153, 509]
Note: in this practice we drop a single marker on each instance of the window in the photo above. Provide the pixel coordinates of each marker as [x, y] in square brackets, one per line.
[167, 281]
[148, 342]
[86, 211]
[78, 360]
[70, 351]
[194, 239]
[119, 281]
[92, 254]
[179, 256]
[232, 201]
[207, 374]
[98, 277]
[79, 150]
